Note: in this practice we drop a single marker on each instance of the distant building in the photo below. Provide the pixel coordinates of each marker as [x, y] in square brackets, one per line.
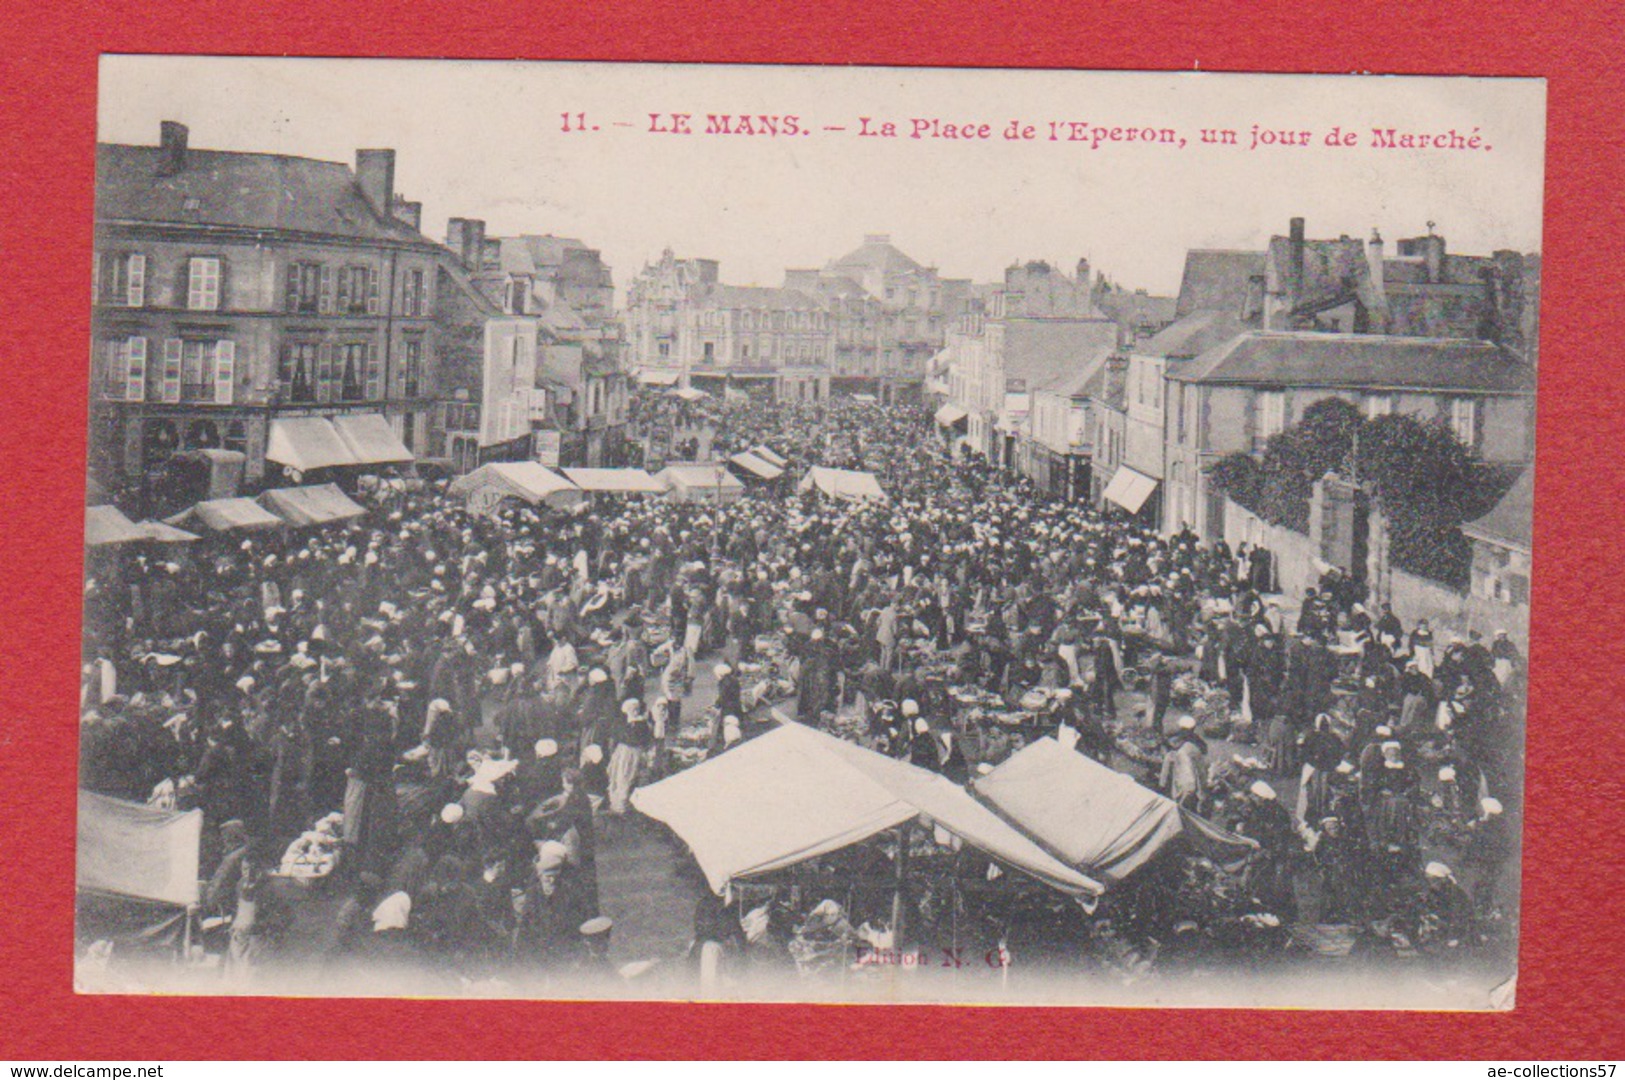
[869, 322]
[1236, 394]
[578, 409]
[1040, 331]
[235, 292]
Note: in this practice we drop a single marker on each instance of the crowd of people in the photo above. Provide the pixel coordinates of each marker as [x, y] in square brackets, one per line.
[437, 718]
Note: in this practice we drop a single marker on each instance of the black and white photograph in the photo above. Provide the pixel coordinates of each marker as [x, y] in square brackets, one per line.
[706, 532]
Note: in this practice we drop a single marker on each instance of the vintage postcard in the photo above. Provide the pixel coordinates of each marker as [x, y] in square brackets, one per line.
[706, 532]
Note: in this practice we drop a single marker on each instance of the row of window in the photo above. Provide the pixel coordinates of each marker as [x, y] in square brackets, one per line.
[1272, 415]
[204, 370]
[184, 369]
[765, 320]
[310, 288]
[315, 372]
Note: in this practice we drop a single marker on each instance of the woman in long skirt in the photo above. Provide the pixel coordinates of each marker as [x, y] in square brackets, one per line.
[627, 762]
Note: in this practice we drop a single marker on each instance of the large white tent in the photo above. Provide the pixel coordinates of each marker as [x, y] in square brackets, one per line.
[134, 851]
[701, 483]
[1094, 817]
[615, 481]
[227, 515]
[529, 481]
[314, 504]
[794, 794]
[842, 484]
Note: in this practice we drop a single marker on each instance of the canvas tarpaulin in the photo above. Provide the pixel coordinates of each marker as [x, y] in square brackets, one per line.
[771, 456]
[306, 443]
[107, 525]
[371, 440]
[617, 481]
[316, 504]
[1092, 816]
[693, 483]
[1129, 489]
[228, 515]
[758, 467]
[949, 415]
[842, 484]
[793, 794]
[130, 850]
[159, 533]
[534, 483]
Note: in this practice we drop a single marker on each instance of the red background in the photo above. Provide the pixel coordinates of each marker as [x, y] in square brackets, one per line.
[1570, 987]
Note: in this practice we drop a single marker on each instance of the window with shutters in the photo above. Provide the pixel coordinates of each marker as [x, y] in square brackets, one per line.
[414, 294]
[112, 371]
[121, 279]
[304, 288]
[203, 283]
[375, 373]
[197, 370]
[352, 370]
[170, 383]
[225, 372]
[1464, 421]
[298, 371]
[357, 291]
[135, 374]
[412, 366]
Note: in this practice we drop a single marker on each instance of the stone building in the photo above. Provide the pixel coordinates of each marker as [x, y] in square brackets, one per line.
[273, 306]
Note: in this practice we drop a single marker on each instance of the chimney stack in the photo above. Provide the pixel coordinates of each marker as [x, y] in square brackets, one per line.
[375, 172]
[1296, 234]
[172, 141]
[1379, 285]
[466, 237]
[408, 213]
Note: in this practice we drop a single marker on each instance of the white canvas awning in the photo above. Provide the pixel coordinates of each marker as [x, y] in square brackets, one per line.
[1093, 817]
[694, 483]
[127, 849]
[316, 504]
[758, 468]
[659, 376]
[842, 484]
[371, 440]
[771, 456]
[794, 794]
[950, 414]
[107, 525]
[1129, 489]
[306, 443]
[688, 393]
[227, 515]
[526, 480]
[616, 481]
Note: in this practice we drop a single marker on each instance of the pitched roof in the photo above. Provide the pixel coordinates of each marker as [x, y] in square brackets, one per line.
[1043, 350]
[1511, 523]
[756, 296]
[1365, 361]
[229, 189]
[1192, 335]
[1334, 272]
[875, 254]
[1217, 280]
[1133, 309]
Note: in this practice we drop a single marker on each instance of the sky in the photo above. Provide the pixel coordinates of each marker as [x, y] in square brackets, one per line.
[487, 140]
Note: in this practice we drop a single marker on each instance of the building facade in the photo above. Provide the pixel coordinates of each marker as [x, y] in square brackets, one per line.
[577, 407]
[1236, 395]
[235, 290]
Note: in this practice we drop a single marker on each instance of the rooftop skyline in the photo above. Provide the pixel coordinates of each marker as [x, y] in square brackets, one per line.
[485, 140]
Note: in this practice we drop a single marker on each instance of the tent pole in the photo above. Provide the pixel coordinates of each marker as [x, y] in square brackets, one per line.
[186, 934]
[897, 904]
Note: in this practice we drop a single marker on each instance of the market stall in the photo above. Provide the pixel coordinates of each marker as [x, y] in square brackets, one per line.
[227, 515]
[701, 483]
[1094, 817]
[487, 486]
[847, 484]
[316, 504]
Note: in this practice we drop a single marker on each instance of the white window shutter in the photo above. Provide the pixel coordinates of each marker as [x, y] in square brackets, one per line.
[135, 355]
[372, 291]
[171, 391]
[374, 373]
[194, 284]
[324, 302]
[225, 371]
[136, 289]
[95, 277]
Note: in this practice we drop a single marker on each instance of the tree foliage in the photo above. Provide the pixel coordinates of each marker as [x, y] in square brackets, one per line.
[1423, 480]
